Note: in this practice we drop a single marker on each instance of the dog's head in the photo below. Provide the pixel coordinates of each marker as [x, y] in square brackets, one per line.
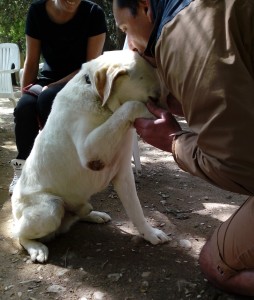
[120, 76]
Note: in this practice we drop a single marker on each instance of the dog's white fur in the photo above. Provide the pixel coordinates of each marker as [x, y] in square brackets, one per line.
[85, 144]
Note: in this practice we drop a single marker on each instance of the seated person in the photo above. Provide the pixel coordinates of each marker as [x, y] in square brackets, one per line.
[66, 34]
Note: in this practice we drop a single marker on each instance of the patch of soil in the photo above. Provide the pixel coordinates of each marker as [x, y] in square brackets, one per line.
[110, 261]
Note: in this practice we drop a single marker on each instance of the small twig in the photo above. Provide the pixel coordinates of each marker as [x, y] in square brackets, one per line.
[65, 259]
[103, 265]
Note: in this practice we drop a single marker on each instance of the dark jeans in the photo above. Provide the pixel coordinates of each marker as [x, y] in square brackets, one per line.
[28, 114]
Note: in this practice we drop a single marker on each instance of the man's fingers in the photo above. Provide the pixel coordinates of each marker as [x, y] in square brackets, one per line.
[141, 123]
[155, 110]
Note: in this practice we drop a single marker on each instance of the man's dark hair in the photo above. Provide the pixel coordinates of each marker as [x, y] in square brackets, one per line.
[131, 4]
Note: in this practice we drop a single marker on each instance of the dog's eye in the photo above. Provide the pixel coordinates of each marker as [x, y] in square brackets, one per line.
[88, 81]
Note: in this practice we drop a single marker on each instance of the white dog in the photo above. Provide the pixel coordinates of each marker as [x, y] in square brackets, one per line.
[85, 144]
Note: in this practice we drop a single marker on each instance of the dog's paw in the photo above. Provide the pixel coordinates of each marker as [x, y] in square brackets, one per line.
[136, 109]
[155, 236]
[95, 165]
[37, 251]
[39, 254]
[97, 217]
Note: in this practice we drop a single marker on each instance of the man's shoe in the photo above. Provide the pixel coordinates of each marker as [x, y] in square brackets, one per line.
[17, 165]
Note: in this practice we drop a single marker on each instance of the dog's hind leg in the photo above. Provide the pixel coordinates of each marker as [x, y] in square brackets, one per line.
[37, 251]
[96, 217]
[87, 214]
[38, 220]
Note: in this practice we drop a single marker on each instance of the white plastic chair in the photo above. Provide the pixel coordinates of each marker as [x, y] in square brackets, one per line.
[9, 57]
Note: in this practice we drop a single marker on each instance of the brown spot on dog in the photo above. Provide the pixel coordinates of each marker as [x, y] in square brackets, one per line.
[95, 165]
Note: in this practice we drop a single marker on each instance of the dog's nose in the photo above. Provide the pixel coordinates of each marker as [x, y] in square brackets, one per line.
[154, 99]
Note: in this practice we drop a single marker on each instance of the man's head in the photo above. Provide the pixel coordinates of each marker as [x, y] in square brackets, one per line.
[133, 17]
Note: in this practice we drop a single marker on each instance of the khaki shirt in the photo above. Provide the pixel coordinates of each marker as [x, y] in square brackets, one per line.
[206, 57]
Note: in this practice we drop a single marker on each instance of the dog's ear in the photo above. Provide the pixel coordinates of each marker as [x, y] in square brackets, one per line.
[105, 78]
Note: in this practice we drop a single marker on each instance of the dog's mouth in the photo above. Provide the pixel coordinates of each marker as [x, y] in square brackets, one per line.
[149, 59]
[153, 99]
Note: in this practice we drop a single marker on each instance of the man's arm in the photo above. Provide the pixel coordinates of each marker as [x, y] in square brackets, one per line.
[166, 134]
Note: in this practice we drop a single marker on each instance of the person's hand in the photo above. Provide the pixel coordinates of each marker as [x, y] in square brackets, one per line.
[174, 105]
[158, 133]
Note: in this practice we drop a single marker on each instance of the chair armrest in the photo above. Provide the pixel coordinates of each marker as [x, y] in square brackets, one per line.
[9, 71]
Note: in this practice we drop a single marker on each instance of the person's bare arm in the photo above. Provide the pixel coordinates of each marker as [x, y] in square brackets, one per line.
[174, 106]
[31, 65]
[95, 46]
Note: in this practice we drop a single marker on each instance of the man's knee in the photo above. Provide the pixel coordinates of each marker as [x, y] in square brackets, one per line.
[241, 282]
[206, 263]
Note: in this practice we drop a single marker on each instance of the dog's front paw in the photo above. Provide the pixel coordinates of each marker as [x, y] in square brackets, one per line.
[95, 165]
[97, 217]
[155, 236]
[136, 110]
[37, 251]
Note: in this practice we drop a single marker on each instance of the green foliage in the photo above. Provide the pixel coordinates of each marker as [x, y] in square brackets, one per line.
[12, 21]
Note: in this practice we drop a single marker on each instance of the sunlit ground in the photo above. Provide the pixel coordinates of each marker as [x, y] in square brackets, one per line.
[149, 155]
[6, 113]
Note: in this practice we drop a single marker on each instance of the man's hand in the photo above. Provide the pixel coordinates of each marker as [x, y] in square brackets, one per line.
[174, 106]
[158, 132]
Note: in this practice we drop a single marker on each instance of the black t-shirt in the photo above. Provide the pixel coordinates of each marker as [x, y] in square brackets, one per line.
[64, 46]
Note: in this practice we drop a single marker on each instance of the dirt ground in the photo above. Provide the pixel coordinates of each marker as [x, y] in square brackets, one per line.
[110, 261]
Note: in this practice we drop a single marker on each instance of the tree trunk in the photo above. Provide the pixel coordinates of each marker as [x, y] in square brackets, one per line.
[115, 38]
